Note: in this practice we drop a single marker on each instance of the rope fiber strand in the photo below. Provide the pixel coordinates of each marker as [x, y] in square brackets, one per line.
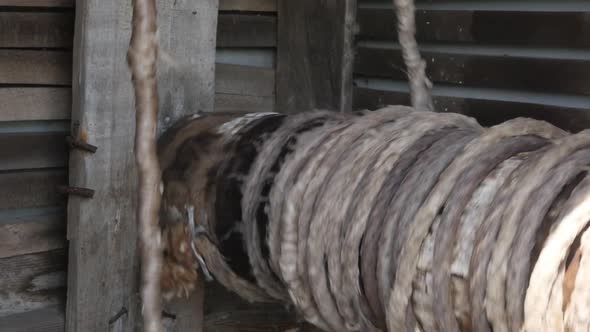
[142, 57]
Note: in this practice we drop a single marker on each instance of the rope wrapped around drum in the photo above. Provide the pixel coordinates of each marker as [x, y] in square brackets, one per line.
[390, 220]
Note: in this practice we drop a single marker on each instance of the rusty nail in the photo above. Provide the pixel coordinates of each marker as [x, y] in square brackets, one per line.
[82, 192]
[118, 315]
[80, 145]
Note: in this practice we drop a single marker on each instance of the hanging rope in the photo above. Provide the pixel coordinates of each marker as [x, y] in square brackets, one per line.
[420, 85]
[142, 57]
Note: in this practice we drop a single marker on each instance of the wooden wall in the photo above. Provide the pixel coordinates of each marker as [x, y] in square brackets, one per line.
[491, 59]
[35, 102]
[246, 52]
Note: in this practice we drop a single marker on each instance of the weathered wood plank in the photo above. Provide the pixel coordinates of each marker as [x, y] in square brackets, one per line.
[487, 112]
[250, 5]
[32, 150]
[31, 282]
[102, 264]
[485, 27]
[31, 103]
[103, 269]
[27, 189]
[36, 30]
[32, 234]
[491, 71]
[244, 80]
[49, 319]
[315, 55]
[242, 30]
[225, 102]
[38, 3]
[35, 67]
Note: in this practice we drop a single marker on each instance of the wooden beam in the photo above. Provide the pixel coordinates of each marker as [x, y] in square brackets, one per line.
[35, 67]
[32, 103]
[243, 30]
[314, 59]
[38, 3]
[28, 234]
[250, 5]
[103, 267]
[32, 150]
[31, 282]
[29, 189]
[50, 319]
[245, 80]
[36, 29]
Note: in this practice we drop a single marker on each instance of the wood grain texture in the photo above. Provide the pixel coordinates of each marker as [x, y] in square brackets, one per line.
[103, 269]
[250, 5]
[314, 57]
[530, 74]
[31, 282]
[36, 29]
[32, 150]
[32, 234]
[31, 103]
[38, 3]
[50, 319]
[35, 67]
[27, 189]
[241, 30]
[102, 265]
[563, 29]
[487, 112]
[244, 80]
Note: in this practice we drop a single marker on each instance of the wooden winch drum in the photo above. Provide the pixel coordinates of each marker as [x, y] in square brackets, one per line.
[386, 220]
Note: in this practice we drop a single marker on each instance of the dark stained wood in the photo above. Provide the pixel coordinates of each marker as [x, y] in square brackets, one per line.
[487, 112]
[36, 29]
[50, 319]
[32, 234]
[38, 3]
[32, 150]
[551, 75]
[244, 80]
[35, 67]
[314, 57]
[250, 5]
[31, 282]
[566, 29]
[246, 30]
[33, 103]
[28, 189]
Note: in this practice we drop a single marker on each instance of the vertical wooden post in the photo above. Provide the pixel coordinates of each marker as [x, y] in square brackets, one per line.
[315, 55]
[103, 263]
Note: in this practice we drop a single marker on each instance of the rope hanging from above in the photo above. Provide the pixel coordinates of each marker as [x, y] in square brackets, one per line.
[390, 220]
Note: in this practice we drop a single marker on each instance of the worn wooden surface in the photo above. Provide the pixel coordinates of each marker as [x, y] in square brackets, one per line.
[492, 27]
[16, 188]
[491, 70]
[35, 103]
[102, 265]
[251, 5]
[35, 67]
[241, 30]
[32, 150]
[27, 232]
[31, 282]
[36, 29]
[49, 319]
[314, 55]
[38, 3]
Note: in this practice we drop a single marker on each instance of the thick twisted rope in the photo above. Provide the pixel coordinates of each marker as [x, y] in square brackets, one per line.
[142, 57]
